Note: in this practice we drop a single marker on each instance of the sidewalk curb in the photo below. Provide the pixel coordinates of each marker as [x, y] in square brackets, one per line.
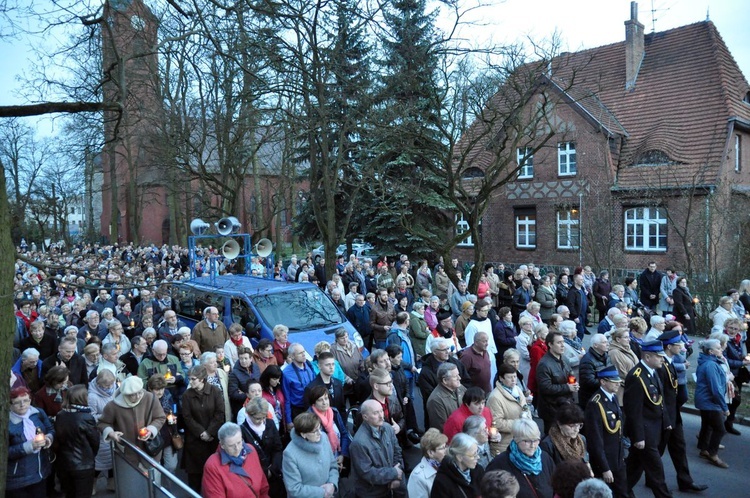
[691, 409]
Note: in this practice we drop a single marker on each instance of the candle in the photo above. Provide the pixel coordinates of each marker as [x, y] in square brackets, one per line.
[571, 379]
[171, 419]
[493, 431]
[696, 300]
[39, 438]
[168, 375]
[143, 433]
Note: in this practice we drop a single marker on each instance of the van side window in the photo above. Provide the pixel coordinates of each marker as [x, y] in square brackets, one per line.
[205, 299]
[243, 314]
[183, 301]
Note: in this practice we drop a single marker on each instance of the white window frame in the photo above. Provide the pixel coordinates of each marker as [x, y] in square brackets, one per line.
[568, 228]
[462, 226]
[567, 160]
[737, 153]
[525, 168]
[525, 229]
[647, 223]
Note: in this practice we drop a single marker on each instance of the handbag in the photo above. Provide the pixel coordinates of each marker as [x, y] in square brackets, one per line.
[177, 441]
[154, 445]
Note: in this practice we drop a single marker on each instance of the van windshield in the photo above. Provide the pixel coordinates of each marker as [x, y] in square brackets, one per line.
[299, 310]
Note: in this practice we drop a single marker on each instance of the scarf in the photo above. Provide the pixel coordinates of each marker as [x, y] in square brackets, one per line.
[326, 420]
[235, 462]
[523, 462]
[435, 464]
[465, 473]
[574, 343]
[572, 450]
[29, 429]
[513, 391]
[78, 408]
[237, 342]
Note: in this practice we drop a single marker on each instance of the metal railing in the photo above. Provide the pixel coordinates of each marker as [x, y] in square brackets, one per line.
[143, 476]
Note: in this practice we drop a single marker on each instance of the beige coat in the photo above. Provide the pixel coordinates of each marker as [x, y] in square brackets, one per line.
[118, 416]
[505, 410]
[624, 360]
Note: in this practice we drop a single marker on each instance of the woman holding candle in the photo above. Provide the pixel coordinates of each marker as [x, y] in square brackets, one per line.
[218, 378]
[157, 384]
[30, 436]
[102, 391]
[203, 414]
[77, 444]
[133, 414]
[507, 404]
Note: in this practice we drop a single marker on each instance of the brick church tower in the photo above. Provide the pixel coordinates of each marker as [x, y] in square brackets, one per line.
[133, 192]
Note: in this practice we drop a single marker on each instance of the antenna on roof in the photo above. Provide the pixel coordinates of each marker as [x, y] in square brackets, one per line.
[653, 17]
[708, 17]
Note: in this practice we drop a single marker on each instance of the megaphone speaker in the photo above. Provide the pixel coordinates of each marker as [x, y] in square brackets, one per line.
[228, 225]
[264, 247]
[198, 226]
[230, 249]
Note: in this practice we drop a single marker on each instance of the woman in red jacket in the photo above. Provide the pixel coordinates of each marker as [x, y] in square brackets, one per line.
[234, 470]
[537, 349]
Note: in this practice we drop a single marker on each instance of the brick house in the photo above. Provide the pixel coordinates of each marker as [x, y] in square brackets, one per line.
[650, 160]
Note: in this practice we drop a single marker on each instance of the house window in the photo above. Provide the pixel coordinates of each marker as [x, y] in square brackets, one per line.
[525, 160]
[737, 153]
[646, 229]
[568, 229]
[462, 226]
[525, 228]
[566, 159]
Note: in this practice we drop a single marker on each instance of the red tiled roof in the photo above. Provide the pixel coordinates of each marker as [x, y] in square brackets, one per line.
[687, 88]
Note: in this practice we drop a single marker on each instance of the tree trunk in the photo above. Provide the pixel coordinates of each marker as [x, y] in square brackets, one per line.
[7, 321]
[113, 194]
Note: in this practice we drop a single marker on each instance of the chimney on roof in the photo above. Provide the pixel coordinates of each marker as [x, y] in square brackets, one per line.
[633, 47]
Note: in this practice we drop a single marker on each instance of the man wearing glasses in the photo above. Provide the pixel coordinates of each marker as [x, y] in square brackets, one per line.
[447, 396]
[210, 332]
[382, 392]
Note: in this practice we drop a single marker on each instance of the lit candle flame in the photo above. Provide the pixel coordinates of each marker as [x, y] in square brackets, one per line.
[144, 432]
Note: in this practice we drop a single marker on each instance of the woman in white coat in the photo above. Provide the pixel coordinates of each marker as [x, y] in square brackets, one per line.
[434, 445]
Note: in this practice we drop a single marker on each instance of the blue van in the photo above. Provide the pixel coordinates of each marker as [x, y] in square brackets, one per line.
[260, 304]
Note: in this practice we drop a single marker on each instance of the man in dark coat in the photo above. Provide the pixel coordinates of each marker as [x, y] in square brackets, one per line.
[578, 304]
[646, 420]
[66, 355]
[359, 316]
[597, 357]
[603, 430]
[382, 315]
[553, 376]
[649, 282]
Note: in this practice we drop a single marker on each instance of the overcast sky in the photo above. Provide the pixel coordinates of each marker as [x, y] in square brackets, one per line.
[580, 23]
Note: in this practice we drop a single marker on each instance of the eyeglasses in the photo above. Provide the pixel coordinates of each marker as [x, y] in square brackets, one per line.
[529, 442]
[441, 350]
[575, 426]
[385, 383]
[474, 456]
[21, 402]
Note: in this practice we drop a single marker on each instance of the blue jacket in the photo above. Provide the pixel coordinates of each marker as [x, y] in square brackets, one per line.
[360, 318]
[711, 386]
[25, 467]
[401, 338]
[16, 369]
[293, 382]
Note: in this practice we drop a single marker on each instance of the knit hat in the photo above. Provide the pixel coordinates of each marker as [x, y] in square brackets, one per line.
[466, 305]
[131, 385]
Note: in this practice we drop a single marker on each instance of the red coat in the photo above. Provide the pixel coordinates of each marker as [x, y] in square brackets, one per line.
[536, 351]
[455, 422]
[219, 482]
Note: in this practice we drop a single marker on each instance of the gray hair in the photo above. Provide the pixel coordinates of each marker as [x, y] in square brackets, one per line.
[592, 488]
[612, 312]
[108, 348]
[293, 348]
[70, 328]
[473, 424]
[441, 343]
[418, 306]
[721, 337]
[709, 344]
[114, 324]
[656, 319]
[256, 406]
[148, 332]
[227, 430]
[562, 308]
[510, 352]
[566, 327]
[524, 428]
[161, 344]
[91, 313]
[598, 338]
[444, 370]
[104, 375]
[207, 356]
[461, 444]
[618, 287]
[29, 353]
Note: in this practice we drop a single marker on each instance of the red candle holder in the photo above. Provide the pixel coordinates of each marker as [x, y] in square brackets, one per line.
[143, 433]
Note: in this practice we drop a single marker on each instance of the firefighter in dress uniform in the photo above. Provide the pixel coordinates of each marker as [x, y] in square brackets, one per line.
[646, 420]
[603, 431]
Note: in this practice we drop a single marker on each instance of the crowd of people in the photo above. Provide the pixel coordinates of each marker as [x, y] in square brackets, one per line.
[512, 402]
